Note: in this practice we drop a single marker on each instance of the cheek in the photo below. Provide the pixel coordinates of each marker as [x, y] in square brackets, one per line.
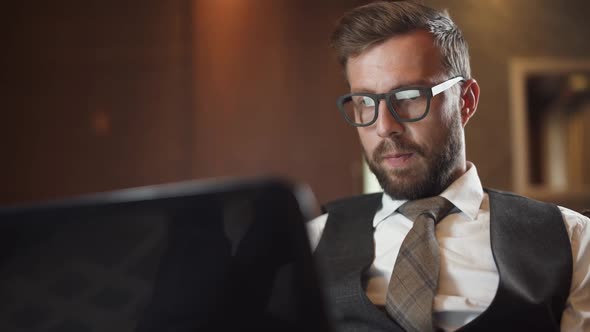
[442, 113]
[447, 109]
[432, 133]
[368, 139]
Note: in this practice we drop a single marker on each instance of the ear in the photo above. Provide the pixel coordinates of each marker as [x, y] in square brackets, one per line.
[469, 100]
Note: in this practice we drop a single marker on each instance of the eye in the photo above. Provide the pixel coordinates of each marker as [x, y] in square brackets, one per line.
[407, 94]
[366, 101]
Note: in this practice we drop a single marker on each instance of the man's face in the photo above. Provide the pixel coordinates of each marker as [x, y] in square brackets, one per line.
[412, 159]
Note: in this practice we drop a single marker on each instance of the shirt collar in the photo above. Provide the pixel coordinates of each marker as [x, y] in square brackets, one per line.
[466, 193]
[388, 207]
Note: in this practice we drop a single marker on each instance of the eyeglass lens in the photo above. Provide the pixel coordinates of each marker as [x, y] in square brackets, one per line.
[407, 104]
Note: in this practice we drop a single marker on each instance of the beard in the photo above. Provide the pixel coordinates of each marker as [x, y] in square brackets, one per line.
[419, 182]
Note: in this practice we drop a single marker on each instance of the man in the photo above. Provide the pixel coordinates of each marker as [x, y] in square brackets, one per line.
[474, 259]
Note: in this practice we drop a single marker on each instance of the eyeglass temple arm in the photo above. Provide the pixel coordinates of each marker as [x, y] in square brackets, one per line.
[445, 85]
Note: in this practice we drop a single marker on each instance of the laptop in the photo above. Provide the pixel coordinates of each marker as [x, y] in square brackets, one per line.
[214, 255]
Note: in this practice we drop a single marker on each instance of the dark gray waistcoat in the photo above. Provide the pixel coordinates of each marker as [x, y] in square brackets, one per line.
[531, 250]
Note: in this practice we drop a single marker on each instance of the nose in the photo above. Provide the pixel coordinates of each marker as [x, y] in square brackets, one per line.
[387, 125]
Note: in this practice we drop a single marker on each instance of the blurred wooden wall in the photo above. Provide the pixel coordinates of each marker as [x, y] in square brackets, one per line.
[97, 96]
[100, 95]
[265, 91]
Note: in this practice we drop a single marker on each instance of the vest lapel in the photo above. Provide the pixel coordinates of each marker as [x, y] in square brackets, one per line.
[346, 250]
[533, 257]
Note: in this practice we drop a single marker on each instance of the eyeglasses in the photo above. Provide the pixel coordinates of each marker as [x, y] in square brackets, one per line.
[407, 104]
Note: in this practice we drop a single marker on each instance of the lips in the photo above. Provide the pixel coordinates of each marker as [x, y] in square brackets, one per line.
[397, 153]
[398, 159]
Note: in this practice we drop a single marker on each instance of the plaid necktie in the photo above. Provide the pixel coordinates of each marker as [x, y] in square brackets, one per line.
[415, 275]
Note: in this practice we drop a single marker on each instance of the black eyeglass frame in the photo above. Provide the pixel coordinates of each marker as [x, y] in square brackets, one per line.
[429, 93]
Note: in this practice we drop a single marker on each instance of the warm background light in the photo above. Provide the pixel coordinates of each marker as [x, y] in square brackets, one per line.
[104, 95]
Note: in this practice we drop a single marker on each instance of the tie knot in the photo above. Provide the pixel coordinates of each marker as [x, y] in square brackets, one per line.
[437, 207]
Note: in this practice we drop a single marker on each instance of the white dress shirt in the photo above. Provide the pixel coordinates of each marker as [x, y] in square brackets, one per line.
[468, 278]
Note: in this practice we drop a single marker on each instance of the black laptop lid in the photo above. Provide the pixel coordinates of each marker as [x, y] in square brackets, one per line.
[199, 256]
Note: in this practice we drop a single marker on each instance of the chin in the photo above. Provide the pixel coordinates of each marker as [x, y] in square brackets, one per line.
[406, 187]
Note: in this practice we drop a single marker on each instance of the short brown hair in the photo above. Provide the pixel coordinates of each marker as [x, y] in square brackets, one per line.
[374, 23]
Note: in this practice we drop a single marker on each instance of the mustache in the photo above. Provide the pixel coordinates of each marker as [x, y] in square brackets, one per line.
[389, 145]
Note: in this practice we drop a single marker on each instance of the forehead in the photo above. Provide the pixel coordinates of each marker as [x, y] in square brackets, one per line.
[410, 58]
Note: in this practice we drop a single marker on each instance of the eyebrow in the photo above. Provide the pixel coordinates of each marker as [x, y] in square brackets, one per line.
[418, 83]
